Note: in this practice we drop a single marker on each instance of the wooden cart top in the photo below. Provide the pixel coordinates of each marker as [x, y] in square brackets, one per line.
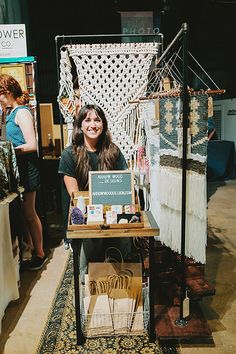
[149, 229]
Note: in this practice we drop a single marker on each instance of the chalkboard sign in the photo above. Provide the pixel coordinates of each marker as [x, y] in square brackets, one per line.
[111, 187]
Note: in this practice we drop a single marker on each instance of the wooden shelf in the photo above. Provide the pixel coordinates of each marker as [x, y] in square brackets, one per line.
[148, 230]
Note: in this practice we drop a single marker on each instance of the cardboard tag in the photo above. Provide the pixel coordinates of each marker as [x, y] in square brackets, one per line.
[186, 307]
[210, 107]
[157, 109]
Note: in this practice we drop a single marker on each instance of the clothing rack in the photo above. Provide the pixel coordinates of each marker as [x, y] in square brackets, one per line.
[184, 94]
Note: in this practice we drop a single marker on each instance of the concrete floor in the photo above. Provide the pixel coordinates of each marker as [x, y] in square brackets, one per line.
[24, 319]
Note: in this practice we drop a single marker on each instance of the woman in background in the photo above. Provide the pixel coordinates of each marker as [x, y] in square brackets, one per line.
[92, 149]
[20, 131]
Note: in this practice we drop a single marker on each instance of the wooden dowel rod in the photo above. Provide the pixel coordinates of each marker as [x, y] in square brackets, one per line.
[176, 93]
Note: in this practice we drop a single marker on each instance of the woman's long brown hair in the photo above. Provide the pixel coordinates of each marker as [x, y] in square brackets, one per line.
[107, 151]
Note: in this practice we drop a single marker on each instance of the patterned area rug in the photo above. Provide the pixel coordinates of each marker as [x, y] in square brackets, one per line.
[59, 335]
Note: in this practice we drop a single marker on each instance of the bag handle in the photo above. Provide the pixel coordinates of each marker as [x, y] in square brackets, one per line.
[112, 259]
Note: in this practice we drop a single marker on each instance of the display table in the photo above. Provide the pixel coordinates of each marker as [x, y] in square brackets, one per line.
[9, 266]
[150, 229]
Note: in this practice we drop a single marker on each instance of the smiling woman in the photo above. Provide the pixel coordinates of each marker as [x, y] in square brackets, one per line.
[92, 149]
[92, 127]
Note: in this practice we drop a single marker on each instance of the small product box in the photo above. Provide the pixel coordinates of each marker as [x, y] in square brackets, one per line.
[117, 208]
[111, 217]
[129, 209]
[95, 214]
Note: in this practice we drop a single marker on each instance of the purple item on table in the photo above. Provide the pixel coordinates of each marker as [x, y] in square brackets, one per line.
[77, 217]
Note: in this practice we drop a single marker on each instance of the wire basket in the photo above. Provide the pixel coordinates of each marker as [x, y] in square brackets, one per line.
[116, 324]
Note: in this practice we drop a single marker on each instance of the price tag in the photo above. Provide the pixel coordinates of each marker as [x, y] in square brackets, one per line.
[186, 301]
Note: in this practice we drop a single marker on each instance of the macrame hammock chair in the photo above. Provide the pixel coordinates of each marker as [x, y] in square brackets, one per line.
[109, 75]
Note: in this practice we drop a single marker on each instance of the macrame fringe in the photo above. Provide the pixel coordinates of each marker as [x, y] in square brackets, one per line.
[195, 236]
[155, 206]
[166, 196]
[170, 191]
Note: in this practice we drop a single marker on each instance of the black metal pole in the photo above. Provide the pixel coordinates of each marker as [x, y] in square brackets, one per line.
[152, 330]
[80, 338]
[185, 102]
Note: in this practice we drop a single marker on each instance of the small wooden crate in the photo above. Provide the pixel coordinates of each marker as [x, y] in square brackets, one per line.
[99, 226]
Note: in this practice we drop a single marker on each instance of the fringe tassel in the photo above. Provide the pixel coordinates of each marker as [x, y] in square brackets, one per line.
[155, 206]
[195, 238]
[165, 193]
[170, 191]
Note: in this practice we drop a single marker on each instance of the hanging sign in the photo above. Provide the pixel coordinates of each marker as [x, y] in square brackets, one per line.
[111, 187]
[13, 41]
[137, 22]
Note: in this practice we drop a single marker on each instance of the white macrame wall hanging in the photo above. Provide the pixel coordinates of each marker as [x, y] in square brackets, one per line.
[109, 75]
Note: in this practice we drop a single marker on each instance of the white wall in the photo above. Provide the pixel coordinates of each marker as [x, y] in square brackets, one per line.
[228, 118]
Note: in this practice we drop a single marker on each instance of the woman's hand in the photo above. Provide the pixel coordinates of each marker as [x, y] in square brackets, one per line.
[71, 184]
